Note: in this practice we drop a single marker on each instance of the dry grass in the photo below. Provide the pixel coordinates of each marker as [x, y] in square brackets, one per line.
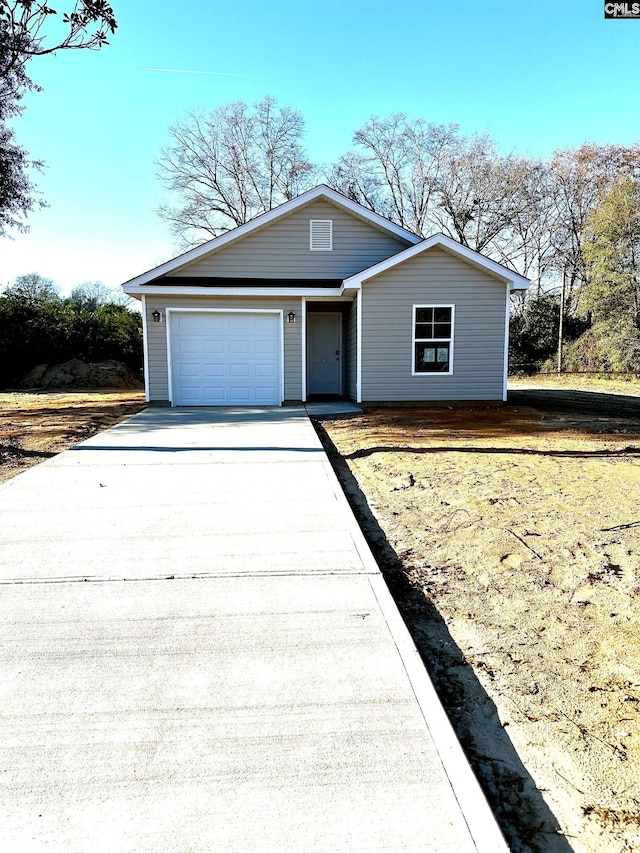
[578, 382]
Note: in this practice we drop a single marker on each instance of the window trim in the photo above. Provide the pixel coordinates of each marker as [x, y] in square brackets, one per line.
[328, 248]
[415, 340]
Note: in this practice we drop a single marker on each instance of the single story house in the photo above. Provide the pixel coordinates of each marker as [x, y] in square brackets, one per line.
[321, 297]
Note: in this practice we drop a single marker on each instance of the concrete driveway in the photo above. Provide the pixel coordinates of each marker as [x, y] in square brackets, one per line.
[198, 653]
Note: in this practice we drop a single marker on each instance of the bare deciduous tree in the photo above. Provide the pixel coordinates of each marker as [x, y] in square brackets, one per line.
[399, 172]
[33, 287]
[427, 178]
[91, 295]
[527, 243]
[479, 193]
[230, 165]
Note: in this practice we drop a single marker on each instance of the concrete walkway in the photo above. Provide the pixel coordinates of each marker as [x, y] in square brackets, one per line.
[198, 653]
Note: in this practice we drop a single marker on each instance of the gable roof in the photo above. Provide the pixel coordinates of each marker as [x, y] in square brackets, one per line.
[441, 241]
[320, 192]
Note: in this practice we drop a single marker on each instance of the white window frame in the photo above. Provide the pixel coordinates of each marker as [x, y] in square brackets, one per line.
[328, 248]
[415, 340]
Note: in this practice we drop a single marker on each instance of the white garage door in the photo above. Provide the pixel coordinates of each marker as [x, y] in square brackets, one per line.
[225, 359]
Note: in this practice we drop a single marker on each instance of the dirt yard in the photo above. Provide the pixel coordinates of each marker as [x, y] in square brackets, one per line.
[511, 540]
[36, 425]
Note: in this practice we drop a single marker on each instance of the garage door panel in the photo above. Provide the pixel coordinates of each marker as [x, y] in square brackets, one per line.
[264, 324]
[188, 346]
[190, 371]
[242, 324]
[241, 396]
[189, 324]
[225, 359]
[214, 371]
[263, 395]
[210, 346]
[265, 371]
[237, 370]
[191, 392]
[214, 395]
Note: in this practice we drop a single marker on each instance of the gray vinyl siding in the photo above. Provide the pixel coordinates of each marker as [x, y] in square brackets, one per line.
[281, 249]
[352, 350]
[433, 278]
[158, 379]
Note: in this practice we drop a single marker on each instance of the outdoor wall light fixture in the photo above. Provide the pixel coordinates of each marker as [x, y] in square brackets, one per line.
[156, 316]
[291, 317]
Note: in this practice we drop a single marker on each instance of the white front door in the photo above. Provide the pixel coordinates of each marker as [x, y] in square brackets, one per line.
[221, 358]
[324, 355]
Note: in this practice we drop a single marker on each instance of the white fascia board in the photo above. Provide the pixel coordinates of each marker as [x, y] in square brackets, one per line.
[512, 279]
[233, 291]
[321, 191]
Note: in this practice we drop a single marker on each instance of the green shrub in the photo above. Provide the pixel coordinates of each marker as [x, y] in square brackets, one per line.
[605, 348]
[46, 330]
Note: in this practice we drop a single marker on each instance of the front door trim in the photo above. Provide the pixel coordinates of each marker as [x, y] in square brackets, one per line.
[309, 341]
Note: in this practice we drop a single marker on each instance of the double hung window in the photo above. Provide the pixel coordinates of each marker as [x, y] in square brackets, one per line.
[433, 338]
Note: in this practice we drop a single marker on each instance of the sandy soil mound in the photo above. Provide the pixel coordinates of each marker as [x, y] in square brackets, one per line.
[78, 374]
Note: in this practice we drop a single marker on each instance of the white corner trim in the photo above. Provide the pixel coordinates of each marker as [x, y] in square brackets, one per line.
[167, 317]
[145, 349]
[321, 191]
[359, 347]
[281, 313]
[506, 346]
[303, 344]
[515, 281]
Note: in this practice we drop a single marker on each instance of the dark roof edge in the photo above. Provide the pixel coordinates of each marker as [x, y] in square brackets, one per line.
[222, 281]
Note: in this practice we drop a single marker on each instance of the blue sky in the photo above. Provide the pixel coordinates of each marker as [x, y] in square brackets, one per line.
[536, 74]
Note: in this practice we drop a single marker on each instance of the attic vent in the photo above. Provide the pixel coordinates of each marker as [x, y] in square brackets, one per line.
[321, 235]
